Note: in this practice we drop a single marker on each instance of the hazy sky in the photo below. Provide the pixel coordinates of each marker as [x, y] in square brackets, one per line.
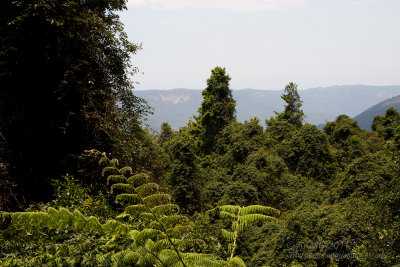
[264, 44]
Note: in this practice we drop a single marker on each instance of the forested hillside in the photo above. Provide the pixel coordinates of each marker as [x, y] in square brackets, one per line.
[83, 183]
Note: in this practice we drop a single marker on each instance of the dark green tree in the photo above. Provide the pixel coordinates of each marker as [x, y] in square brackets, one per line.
[166, 132]
[217, 109]
[64, 86]
[308, 153]
[386, 125]
[292, 112]
[184, 177]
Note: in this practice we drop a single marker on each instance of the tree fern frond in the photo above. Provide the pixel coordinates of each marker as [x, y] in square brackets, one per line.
[127, 188]
[166, 209]
[259, 209]
[79, 220]
[93, 224]
[104, 160]
[114, 162]
[227, 235]
[236, 262]
[170, 258]
[245, 220]
[230, 208]
[126, 171]
[147, 189]
[179, 230]
[227, 215]
[128, 198]
[206, 260]
[170, 221]
[138, 179]
[110, 169]
[130, 258]
[115, 178]
[135, 210]
[146, 216]
[145, 235]
[157, 199]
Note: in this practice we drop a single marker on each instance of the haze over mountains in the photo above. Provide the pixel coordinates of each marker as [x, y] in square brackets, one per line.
[320, 104]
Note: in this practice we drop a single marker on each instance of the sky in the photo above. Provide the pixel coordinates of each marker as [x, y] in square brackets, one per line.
[264, 44]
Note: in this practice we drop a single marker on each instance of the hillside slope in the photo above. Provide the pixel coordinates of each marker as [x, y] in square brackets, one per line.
[365, 118]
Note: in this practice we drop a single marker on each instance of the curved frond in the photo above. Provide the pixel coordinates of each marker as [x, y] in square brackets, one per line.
[157, 199]
[138, 179]
[126, 171]
[230, 208]
[135, 209]
[110, 169]
[236, 262]
[259, 209]
[127, 188]
[115, 178]
[166, 209]
[147, 189]
[128, 198]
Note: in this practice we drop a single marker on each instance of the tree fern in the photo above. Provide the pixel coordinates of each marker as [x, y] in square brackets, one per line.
[163, 229]
[241, 218]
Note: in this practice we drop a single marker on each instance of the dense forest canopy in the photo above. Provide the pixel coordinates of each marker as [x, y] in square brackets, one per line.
[84, 183]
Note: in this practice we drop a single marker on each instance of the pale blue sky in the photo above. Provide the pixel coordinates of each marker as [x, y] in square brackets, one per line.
[264, 44]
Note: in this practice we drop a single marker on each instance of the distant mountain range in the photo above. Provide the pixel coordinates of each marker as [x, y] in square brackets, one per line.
[320, 104]
[365, 118]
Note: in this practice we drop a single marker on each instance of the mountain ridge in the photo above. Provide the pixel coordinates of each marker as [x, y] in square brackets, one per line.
[176, 106]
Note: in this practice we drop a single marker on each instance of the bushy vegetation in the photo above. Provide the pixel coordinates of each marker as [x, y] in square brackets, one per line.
[213, 193]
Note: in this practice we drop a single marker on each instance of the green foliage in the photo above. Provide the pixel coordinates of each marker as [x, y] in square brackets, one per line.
[217, 109]
[308, 153]
[166, 133]
[184, 177]
[386, 125]
[292, 112]
[65, 75]
[241, 218]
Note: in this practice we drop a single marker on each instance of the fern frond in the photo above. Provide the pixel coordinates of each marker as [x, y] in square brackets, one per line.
[93, 224]
[126, 171]
[110, 169]
[170, 221]
[78, 221]
[230, 208]
[170, 258]
[147, 189]
[236, 262]
[245, 220]
[127, 188]
[138, 179]
[166, 209]
[145, 235]
[135, 210]
[179, 230]
[259, 209]
[146, 216]
[128, 198]
[130, 258]
[115, 178]
[197, 259]
[114, 162]
[104, 160]
[157, 199]
[227, 215]
[227, 235]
